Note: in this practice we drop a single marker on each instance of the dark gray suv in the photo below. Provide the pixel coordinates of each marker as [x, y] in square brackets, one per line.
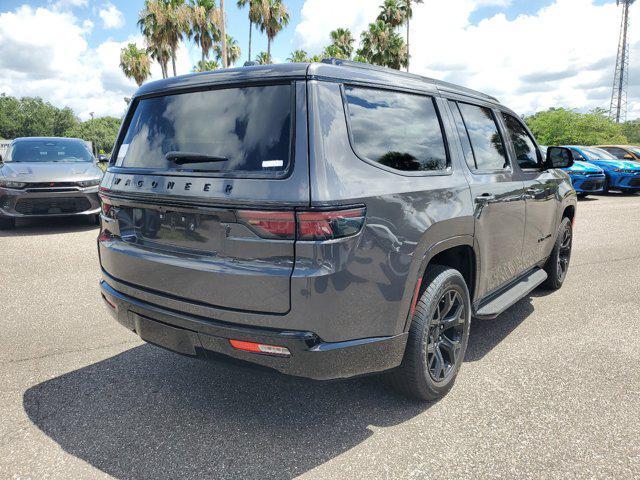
[327, 220]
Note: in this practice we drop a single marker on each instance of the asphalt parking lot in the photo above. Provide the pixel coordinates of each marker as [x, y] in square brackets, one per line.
[551, 389]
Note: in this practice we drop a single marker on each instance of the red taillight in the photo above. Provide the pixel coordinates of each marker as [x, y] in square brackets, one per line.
[260, 348]
[277, 225]
[304, 225]
[330, 224]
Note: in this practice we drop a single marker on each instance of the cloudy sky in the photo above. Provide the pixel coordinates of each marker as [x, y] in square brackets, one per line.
[531, 54]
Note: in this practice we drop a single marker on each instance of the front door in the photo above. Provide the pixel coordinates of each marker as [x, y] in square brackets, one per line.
[540, 191]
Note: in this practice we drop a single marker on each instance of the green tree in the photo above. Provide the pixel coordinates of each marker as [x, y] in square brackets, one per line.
[101, 132]
[275, 17]
[206, 66]
[263, 58]
[342, 40]
[255, 16]
[298, 56]
[381, 45]
[393, 12]
[29, 117]
[164, 23]
[233, 51]
[135, 63]
[204, 18]
[631, 130]
[562, 126]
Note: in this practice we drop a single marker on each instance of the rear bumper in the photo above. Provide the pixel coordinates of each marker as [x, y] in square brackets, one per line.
[52, 203]
[203, 337]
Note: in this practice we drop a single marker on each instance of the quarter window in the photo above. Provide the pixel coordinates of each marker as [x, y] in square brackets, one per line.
[485, 138]
[398, 130]
[526, 151]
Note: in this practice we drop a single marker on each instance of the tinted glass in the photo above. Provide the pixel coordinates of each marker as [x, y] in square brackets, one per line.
[231, 130]
[597, 154]
[577, 156]
[526, 152]
[398, 130]
[464, 136]
[486, 141]
[616, 152]
[49, 151]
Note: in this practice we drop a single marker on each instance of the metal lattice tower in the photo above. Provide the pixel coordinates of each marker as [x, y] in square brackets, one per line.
[618, 108]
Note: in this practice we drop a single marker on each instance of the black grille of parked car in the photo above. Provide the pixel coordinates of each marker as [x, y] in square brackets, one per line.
[635, 182]
[57, 186]
[52, 206]
[591, 185]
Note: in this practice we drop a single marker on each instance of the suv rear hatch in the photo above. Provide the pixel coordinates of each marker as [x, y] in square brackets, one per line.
[199, 203]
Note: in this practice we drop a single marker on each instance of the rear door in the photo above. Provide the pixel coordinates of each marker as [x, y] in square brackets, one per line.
[540, 191]
[199, 204]
[497, 192]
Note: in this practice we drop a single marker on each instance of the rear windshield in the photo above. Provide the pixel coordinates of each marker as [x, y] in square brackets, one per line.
[234, 130]
[58, 150]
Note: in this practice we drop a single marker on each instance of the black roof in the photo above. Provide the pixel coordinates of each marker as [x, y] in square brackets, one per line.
[333, 69]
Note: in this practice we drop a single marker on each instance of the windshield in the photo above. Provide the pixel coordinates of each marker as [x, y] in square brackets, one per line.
[635, 150]
[593, 153]
[229, 130]
[58, 150]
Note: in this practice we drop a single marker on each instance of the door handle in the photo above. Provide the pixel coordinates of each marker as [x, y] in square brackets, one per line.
[485, 198]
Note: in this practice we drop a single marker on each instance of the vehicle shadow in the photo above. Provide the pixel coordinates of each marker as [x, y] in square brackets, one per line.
[148, 413]
[486, 334]
[45, 226]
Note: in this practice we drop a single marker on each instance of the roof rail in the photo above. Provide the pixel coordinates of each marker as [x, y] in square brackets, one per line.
[439, 83]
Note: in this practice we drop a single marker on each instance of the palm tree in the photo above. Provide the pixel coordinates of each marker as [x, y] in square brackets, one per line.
[233, 50]
[263, 58]
[255, 16]
[342, 39]
[409, 15]
[381, 45]
[164, 23]
[206, 66]
[135, 63]
[298, 56]
[223, 33]
[334, 51]
[204, 19]
[393, 12]
[151, 23]
[274, 18]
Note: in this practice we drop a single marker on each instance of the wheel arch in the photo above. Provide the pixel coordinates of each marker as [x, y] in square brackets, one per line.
[456, 252]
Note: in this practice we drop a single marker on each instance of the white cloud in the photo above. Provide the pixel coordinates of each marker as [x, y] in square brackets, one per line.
[111, 16]
[530, 63]
[44, 52]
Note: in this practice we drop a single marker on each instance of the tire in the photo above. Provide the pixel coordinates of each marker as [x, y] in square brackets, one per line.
[557, 265]
[582, 195]
[430, 364]
[95, 219]
[7, 223]
[605, 185]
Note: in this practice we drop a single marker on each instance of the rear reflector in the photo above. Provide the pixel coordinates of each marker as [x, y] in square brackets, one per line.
[260, 348]
[304, 225]
[110, 303]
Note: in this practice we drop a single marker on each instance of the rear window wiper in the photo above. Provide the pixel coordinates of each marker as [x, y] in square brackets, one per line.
[180, 158]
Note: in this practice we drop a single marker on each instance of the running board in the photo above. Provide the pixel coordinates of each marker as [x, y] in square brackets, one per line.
[517, 291]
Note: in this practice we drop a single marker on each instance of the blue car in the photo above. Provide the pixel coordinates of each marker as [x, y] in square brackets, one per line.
[620, 175]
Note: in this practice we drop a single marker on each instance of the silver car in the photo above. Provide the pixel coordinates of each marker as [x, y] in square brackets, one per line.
[47, 177]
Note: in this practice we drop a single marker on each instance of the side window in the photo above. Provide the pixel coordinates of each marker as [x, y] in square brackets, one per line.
[577, 156]
[398, 130]
[526, 151]
[486, 141]
[616, 152]
[463, 135]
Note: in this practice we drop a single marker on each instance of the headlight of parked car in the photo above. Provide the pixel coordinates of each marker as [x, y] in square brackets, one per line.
[90, 183]
[11, 184]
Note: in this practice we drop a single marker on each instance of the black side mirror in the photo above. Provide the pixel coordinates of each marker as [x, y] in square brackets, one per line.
[558, 157]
